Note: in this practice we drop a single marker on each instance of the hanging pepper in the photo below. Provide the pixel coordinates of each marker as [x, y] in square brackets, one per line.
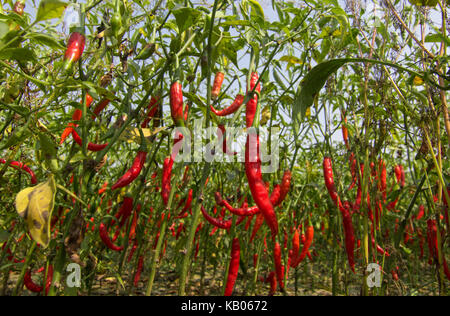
[345, 130]
[152, 110]
[258, 223]
[278, 266]
[133, 172]
[348, 233]
[234, 267]
[400, 175]
[284, 188]
[232, 108]
[76, 116]
[91, 146]
[221, 132]
[21, 166]
[329, 179]
[218, 80]
[140, 266]
[33, 287]
[176, 103]
[257, 185]
[214, 221]
[165, 182]
[253, 102]
[309, 236]
[105, 238]
[75, 48]
[100, 106]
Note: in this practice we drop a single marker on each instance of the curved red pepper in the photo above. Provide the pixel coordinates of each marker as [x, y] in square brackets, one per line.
[91, 146]
[152, 110]
[21, 166]
[105, 238]
[133, 172]
[230, 109]
[234, 267]
[214, 221]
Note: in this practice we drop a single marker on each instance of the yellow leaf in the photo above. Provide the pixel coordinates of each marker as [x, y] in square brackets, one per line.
[292, 60]
[337, 33]
[265, 115]
[308, 112]
[132, 135]
[35, 205]
[141, 30]
[417, 81]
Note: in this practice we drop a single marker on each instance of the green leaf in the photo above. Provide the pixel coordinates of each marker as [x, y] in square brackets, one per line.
[50, 9]
[437, 38]
[257, 9]
[4, 29]
[46, 40]
[236, 23]
[424, 3]
[15, 18]
[186, 17]
[311, 85]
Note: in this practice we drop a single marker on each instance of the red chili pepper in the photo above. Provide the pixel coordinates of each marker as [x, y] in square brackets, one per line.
[133, 172]
[152, 110]
[75, 48]
[165, 181]
[214, 221]
[255, 260]
[133, 249]
[176, 103]
[309, 236]
[140, 266]
[258, 223]
[394, 275]
[21, 166]
[383, 180]
[357, 203]
[91, 146]
[222, 138]
[232, 108]
[234, 267]
[352, 161]
[273, 283]
[125, 211]
[33, 287]
[329, 180]
[278, 266]
[133, 227]
[400, 175]
[253, 102]
[105, 238]
[100, 106]
[103, 188]
[349, 234]
[218, 80]
[284, 188]
[345, 130]
[295, 245]
[257, 185]
[179, 230]
[248, 223]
